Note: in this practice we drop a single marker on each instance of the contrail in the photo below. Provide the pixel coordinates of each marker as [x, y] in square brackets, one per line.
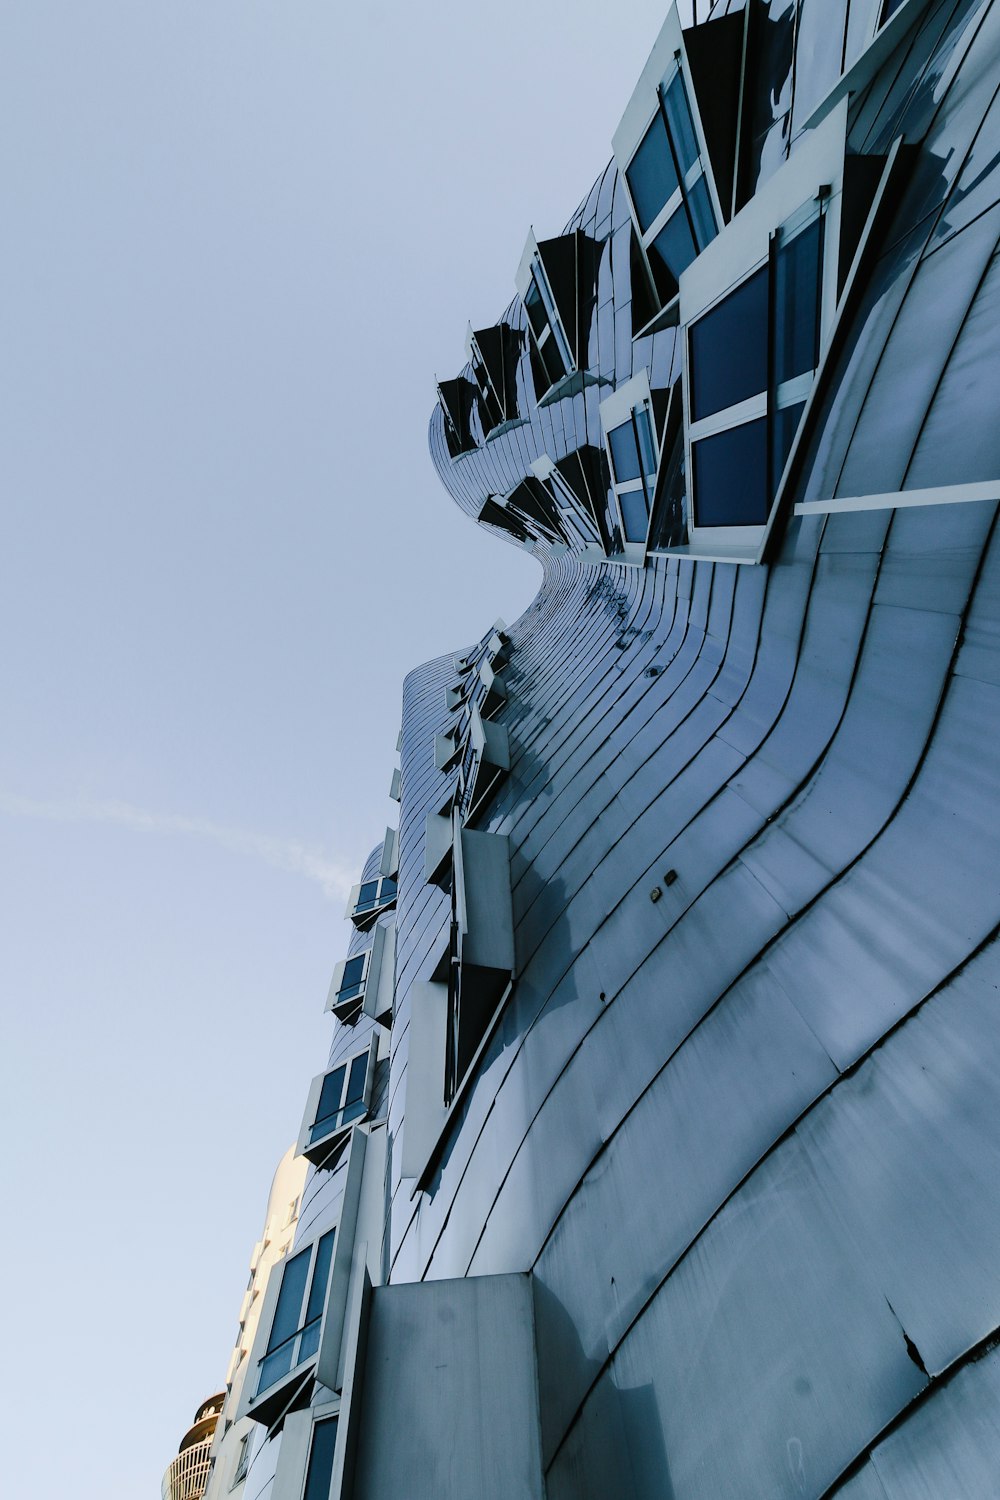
[332, 875]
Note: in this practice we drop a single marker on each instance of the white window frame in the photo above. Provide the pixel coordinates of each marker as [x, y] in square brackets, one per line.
[324, 1151]
[812, 177]
[667, 59]
[374, 976]
[269, 1405]
[243, 1459]
[383, 902]
[532, 269]
[616, 410]
[342, 1008]
[474, 355]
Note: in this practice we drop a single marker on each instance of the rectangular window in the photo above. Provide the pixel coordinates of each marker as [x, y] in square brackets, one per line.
[751, 360]
[494, 354]
[369, 898]
[298, 1312]
[341, 1098]
[557, 283]
[319, 1474]
[243, 1461]
[668, 187]
[337, 1100]
[633, 456]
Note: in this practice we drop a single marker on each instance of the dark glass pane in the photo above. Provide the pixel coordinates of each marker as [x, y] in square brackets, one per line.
[353, 974]
[635, 515]
[308, 1342]
[356, 1082]
[330, 1097]
[388, 891]
[889, 8]
[552, 360]
[650, 174]
[274, 1366]
[673, 248]
[728, 349]
[624, 453]
[702, 213]
[321, 1275]
[289, 1304]
[535, 308]
[319, 1475]
[730, 477]
[678, 112]
[797, 276]
[647, 447]
[784, 425]
[367, 895]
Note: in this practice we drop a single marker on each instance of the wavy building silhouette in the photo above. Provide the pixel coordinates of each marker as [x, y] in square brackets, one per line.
[658, 1149]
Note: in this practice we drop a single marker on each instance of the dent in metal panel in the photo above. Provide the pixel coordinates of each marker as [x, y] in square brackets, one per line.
[948, 1447]
[910, 1149]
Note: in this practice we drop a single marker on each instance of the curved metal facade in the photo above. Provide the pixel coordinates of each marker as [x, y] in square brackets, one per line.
[738, 1114]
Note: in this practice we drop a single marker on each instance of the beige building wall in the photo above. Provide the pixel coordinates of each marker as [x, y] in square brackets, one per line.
[234, 1444]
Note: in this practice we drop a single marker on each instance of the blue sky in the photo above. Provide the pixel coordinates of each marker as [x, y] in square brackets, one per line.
[239, 241]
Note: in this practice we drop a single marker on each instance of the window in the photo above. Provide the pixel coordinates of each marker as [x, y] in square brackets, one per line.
[494, 354]
[369, 898]
[459, 401]
[495, 514]
[662, 158]
[336, 1100]
[319, 1473]
[293, 1209]
[889, 8]
[580, 484]
[633, 455]
[532, 503]
[243, 1459]
[452, 1014]
[294, 1329]
[751, 360]
[557, 282]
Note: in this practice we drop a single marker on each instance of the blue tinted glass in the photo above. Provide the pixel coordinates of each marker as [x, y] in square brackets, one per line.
[330, 1097]
[647, 447]
[702, 213]
[784, 425]
[356, 1082]
[624, 453]
[678, 112]
[535, 308]
[274, 1366]
[319, 1475]
[635, 516]
[308, 1342]
[388, 888]
[728, 349]
[367, 894]
[289, 1304]
[674, 249]
[353, 974]
[730, 477]
[797, 267]
[650, 174]
[321, 1275]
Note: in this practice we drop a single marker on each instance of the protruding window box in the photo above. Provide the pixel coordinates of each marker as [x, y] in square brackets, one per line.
[380, 988]
[532, 503]
[438, 841]
[453, 1013]
[496, 515]
[302, 1315]
[369, 899]
[634, 457]
[337, 1100]
[353, 978]
[396, 784]
[662, 155]
[389, 863]
[557, 283]
[448, 746]
[456, 694]
[463, 662]
[494, 354]
[459, 401]
[495, 692]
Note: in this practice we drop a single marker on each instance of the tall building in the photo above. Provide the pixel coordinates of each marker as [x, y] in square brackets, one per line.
[187, 1475]
[657, 1150]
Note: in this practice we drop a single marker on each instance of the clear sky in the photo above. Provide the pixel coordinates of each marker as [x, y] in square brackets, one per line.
[239, 240]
